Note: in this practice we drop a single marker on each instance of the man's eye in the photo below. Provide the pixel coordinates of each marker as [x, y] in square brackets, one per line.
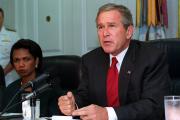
[112, 25]
[100, 27]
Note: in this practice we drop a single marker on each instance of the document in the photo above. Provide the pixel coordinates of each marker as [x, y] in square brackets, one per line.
[63, 118]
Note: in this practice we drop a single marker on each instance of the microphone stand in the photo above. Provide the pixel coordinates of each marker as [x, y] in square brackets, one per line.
[33, 106]
[32, 97]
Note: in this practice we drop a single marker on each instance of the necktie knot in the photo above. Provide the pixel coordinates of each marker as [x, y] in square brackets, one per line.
[114, 62]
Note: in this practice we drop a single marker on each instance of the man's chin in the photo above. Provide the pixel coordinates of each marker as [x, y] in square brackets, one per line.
[108, 51]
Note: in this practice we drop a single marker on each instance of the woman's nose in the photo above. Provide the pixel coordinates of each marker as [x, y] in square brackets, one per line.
[21, 63]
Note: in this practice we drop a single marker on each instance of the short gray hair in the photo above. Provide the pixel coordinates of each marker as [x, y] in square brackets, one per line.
[124, 11]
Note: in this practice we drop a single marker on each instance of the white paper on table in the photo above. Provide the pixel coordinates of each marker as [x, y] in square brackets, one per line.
[63, 118]
[11, 114]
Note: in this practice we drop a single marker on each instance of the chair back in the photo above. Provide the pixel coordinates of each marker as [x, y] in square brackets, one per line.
[171, 47]
[64, 67]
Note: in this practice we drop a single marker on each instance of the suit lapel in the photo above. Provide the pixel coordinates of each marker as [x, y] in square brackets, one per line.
[126, 70]
[105, 67]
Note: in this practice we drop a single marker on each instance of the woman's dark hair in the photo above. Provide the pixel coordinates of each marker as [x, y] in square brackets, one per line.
[33, 48]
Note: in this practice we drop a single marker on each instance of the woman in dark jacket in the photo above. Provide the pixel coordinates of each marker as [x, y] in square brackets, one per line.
[26, 58]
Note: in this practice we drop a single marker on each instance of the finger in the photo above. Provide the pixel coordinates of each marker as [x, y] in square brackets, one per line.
[66, 109]
[70, 95]
[60, 100]
[71, 98]
[63, 98]
[85, 117]
[64, 103]
[80, 112]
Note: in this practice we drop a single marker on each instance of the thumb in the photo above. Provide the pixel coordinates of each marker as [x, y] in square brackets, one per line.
[70, 95]
[71, 98]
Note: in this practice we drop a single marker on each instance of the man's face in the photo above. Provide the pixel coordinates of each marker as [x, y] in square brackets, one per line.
[24, 63]
[1, 20]
[113, 37]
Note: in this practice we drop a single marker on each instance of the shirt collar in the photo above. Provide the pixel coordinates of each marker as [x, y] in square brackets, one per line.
[119, 58]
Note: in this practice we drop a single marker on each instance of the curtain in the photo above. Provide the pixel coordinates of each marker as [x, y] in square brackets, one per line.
[151, 19]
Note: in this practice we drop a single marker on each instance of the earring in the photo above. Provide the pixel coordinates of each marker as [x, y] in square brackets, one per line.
[36, 66]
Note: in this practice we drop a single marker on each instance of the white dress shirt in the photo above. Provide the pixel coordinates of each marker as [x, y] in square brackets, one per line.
[7, 39]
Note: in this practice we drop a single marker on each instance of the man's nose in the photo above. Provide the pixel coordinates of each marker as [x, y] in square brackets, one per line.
[106, 32]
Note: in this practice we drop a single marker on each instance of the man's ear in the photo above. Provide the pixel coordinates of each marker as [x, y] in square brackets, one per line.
[129, 32]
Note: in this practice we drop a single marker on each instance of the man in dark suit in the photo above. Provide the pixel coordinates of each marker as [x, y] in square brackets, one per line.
[143, 78]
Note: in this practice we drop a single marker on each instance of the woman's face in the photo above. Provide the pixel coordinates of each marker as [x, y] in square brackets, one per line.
[24, 63]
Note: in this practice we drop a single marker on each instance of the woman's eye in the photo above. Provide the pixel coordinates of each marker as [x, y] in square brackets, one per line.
[27, 59]
[15, 61]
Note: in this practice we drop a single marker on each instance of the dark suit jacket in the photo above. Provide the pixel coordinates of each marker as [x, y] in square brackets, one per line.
[143, 82]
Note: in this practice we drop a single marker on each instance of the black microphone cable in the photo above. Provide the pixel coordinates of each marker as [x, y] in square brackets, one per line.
[10, 107]
[7, 106]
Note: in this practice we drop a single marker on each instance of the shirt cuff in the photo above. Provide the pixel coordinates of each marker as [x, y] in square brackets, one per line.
[111, 113]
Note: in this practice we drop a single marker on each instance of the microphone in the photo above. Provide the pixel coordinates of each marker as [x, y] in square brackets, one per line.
[29, 96]
[36, 80]
[37, 92]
